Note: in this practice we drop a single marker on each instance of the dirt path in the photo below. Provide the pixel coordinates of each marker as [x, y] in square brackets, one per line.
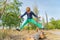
[53, 35]
[50, 35]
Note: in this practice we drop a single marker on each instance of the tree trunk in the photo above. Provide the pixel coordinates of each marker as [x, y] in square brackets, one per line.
[3, 28]
[36, 36]
[9, 27]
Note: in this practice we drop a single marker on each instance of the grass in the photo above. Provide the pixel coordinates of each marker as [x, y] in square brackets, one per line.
[7, 34]
[3, 34]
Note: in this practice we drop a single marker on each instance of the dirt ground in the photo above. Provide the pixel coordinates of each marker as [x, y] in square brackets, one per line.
[16, 35]
[53, 34]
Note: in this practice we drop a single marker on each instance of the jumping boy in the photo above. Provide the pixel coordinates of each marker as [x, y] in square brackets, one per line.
[29, 14]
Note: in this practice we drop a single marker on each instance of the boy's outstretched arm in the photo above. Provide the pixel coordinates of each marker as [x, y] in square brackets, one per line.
[23, 15]
[35, 15]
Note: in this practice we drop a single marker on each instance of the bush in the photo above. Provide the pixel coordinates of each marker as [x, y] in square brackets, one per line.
[49, 26]
[3, 34]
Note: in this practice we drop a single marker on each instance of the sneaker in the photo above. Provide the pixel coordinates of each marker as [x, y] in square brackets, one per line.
[18, 29]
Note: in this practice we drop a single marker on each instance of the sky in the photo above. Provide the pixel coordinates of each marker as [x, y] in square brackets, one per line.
[51, 7]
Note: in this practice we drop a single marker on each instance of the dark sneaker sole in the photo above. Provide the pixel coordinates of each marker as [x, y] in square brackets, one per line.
[18, 29]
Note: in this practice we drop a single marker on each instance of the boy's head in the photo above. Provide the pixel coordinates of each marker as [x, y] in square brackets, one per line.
[27, 9]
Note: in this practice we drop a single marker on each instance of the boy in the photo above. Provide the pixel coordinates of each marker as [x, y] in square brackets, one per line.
[29, 14]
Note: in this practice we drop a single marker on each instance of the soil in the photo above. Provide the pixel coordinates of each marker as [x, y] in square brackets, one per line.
[21, 35]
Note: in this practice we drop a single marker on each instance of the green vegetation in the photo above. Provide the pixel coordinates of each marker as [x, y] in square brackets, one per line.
[10, 12]
[53, 24]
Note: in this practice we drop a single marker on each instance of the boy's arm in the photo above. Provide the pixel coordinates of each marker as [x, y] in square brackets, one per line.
[34, 15]
[23, 15]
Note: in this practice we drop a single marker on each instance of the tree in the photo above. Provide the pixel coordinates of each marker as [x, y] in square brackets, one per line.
[53, 24]
[11, 13]
[2, 7]
[56, 23]
[46, 18]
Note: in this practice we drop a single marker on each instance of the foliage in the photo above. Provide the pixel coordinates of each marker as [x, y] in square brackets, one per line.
[53, 24]
[11, 13]
[11, 19]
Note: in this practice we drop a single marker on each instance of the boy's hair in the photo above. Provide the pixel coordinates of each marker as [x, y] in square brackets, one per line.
[28, 8]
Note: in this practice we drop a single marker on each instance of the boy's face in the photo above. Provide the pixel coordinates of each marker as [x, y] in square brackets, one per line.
[27, 9]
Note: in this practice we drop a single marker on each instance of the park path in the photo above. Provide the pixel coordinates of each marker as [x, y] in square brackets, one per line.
[50, 34]
[53, 34]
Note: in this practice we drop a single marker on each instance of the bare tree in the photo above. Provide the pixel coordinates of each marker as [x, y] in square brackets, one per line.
[46, 18]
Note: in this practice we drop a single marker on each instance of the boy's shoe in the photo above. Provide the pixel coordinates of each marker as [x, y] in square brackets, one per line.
[18, 29]
[42, 35]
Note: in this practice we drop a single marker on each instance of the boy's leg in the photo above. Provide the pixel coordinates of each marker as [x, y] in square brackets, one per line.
[39, 25]
[23, 24]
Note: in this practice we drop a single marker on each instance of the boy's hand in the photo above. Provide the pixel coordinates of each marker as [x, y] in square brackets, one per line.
[19, 17]
[39, 17]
